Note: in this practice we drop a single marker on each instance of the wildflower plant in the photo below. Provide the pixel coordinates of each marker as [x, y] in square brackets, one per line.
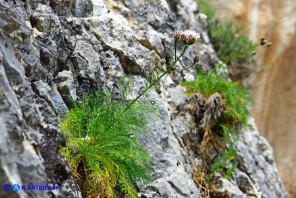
[102, 133]
[102, 144]
[235, 100]
[187, 38]
[233, 48]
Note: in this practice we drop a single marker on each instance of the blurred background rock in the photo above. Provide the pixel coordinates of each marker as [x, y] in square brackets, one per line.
[274, 88]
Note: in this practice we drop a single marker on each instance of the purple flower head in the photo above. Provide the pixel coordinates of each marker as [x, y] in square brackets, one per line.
[191, 33]
[188, 36]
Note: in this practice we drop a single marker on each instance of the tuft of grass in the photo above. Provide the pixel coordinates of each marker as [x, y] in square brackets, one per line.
[102, 144]
[236, 98]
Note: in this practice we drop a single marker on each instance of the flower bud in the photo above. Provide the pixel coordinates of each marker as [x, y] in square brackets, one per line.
[263, 41]
[268, 44]
[177, 35]
[196, 59]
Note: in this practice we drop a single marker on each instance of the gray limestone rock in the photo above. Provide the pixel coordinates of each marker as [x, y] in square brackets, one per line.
[66, 86]
[134, 57]
[52, 97]
[69, 48]
[171, 168]
[44, 22]
[259, 161]
[86, 60]
[29, 134]
[99, 7]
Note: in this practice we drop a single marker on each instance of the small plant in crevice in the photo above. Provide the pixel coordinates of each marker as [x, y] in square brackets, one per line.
[220, 131]
[102, 132]
[236, 98]
[233, 48]
[225, 163]
[102, 147]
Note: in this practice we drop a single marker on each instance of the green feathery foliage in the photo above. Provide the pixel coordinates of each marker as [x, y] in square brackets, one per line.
[102, 134]
[225, 163]
[233, 48]
[235, 102]
[236, 98]
[102, 144]
[237, 52]
[230, 46]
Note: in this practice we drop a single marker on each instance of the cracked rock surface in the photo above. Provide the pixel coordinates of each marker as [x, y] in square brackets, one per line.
[53, 50]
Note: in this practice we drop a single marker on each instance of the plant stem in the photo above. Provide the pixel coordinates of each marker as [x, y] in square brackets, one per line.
[185, 68]
[175, 49]
[169, 69]
[240, 54]
[156, 80]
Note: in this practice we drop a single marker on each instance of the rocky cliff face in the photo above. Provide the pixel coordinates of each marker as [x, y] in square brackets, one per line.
[52, 49]
[274, 89]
